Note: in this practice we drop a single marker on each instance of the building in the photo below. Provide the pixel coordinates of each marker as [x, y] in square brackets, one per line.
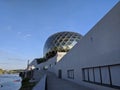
[95, 60]
[60, 42]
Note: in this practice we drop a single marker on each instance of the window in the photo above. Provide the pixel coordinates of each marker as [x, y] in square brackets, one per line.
[91, 39]
[70, 73]
[107, 75]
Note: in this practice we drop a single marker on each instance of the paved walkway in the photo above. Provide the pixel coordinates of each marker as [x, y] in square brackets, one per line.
[53, 83]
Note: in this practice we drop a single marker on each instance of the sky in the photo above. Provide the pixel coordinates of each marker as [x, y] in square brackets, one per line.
[25, 25]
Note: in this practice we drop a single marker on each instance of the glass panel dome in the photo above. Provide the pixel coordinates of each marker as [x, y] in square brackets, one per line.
[60, 42]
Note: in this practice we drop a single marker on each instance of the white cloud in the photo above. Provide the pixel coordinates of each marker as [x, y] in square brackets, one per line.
[23, 36]
[11, 61]
[27, 36]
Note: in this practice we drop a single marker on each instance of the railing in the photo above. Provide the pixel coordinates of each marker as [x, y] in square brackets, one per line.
[107, 75]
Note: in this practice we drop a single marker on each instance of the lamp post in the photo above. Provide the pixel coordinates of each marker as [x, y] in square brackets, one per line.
[28, 65]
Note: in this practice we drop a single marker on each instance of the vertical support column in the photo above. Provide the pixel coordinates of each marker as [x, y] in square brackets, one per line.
[100, 75]
[93, 74]
[110, 78]
[83, 74]
[88, 74]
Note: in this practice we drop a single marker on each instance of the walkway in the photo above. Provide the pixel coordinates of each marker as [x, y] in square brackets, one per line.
[53, 83]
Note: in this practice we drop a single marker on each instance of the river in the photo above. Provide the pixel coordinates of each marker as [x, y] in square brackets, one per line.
[10, 82]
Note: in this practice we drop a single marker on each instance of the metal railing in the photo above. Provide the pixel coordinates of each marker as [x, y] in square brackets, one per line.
[107, 75]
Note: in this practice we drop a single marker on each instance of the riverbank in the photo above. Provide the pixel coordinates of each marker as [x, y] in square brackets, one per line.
[27, 85]
[31, 78]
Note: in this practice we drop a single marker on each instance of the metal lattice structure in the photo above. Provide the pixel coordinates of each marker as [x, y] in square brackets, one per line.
[60, 42]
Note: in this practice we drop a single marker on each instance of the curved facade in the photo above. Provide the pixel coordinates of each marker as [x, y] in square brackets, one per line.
[60, 42]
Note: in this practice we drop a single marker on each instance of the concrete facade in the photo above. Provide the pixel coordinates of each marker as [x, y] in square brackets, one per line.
[95, 60]
[51, 62]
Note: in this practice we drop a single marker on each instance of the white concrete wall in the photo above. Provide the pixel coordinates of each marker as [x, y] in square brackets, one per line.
[34, 62]
[50, 63]
[60, 55]
[100, 46]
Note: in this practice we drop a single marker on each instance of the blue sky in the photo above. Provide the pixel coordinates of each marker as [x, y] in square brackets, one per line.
[26, 24]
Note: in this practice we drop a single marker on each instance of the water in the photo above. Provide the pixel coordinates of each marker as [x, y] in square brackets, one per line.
[10, 82]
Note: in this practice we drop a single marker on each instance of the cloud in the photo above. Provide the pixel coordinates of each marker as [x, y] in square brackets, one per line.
[11, 61]
[15, 59]
[27, 36]
[23, 36]
[8, 56]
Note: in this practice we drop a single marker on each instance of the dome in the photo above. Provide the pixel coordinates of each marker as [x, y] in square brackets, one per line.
[60, 42]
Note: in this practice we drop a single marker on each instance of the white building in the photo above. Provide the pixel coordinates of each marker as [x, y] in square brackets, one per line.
[95, 60]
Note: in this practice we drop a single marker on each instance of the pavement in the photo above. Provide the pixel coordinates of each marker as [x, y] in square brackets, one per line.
[54, 83]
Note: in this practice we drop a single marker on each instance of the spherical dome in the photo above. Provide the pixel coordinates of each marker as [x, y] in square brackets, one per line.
[60, 42]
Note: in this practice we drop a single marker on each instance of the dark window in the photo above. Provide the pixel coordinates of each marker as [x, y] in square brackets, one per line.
[70, 73]
[91, 39]
[107, 75]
